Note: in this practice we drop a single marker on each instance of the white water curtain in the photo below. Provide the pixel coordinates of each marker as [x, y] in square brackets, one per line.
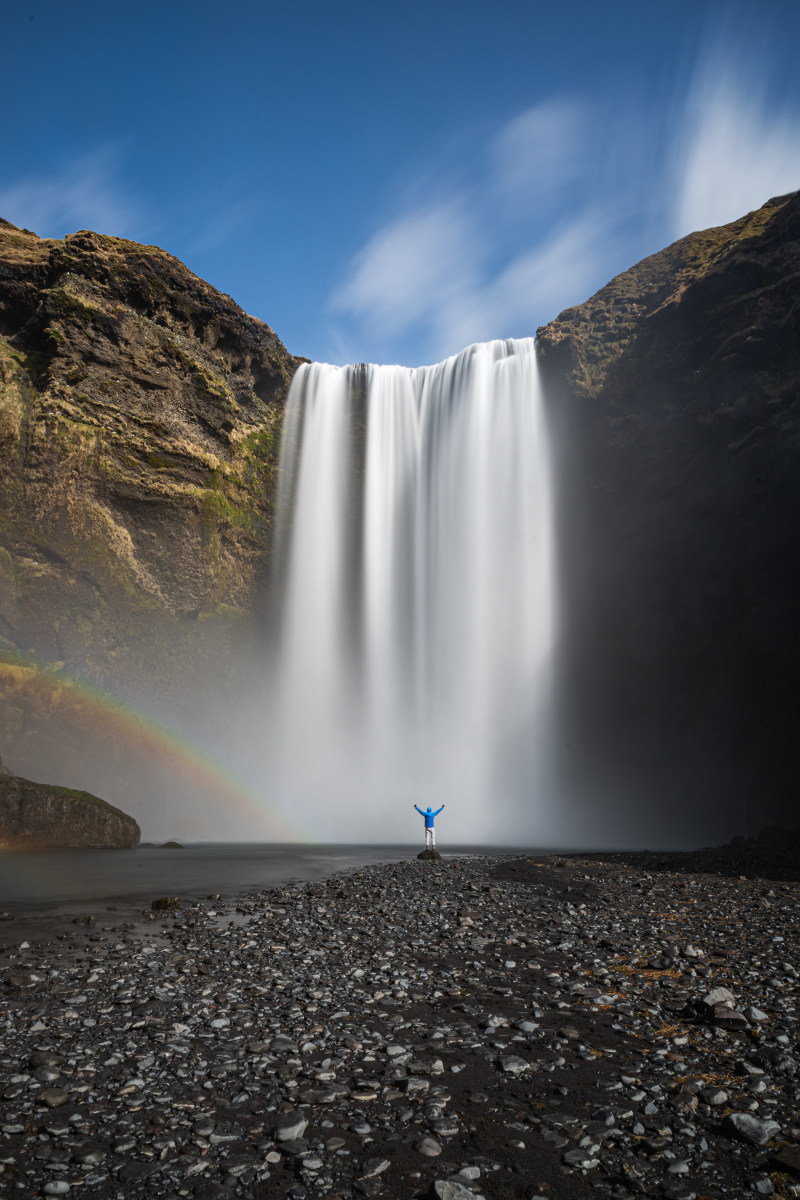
[415, 593]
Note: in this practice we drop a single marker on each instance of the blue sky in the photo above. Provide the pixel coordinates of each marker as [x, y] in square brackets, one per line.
[390, 183]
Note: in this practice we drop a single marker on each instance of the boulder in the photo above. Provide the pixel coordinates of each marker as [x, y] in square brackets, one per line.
[43, 815]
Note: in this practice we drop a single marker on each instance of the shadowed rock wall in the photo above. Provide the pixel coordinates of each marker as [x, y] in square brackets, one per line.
[675, 400]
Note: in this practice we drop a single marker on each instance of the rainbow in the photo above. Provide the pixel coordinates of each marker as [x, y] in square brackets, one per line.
[145, 735]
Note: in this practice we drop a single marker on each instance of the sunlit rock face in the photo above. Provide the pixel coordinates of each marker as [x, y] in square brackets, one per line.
[675, 393]
[140, 415]
[414, 595]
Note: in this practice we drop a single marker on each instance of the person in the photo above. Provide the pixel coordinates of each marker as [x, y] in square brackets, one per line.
[430, 833]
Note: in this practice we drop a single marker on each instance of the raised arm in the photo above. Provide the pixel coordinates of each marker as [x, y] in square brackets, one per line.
[419, 810]
[438, 811]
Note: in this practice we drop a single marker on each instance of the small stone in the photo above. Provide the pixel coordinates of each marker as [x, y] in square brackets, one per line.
[748, 1128]
[679, 1167]
[290, 1127]
[52, 1097]
[714, 1096]
[56, 1187]
[512, 1064]
[451, 1189]
[375, 1166]
[719, 995]
[580, 1158]
[429, 1147]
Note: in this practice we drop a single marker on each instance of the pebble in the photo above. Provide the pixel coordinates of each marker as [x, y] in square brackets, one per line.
[366, 1035]
[749, 1128]
[451, 1189]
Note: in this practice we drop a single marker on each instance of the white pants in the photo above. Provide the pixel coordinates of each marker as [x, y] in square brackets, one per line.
[430, 838]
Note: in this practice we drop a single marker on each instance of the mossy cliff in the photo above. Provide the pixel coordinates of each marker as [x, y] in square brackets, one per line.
[140, 412]
[675, 401]
[34, 815]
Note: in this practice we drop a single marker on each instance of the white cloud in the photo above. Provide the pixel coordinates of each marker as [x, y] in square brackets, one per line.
[569, 197]
[81, 195]
[734, 150]
[431, 267]
[412, 268]
[539, 153]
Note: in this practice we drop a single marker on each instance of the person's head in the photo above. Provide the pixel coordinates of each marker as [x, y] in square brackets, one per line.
[429, 808]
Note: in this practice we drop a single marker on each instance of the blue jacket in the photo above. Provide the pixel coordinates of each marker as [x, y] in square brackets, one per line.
[428, 815]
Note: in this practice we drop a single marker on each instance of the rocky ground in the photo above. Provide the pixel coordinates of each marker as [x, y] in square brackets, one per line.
[506, 1028]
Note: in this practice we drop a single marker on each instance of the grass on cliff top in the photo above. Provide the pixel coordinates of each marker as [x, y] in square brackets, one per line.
[69, 793]
[605, 324]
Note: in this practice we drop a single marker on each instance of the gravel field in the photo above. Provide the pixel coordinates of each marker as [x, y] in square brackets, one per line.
[493, 1026]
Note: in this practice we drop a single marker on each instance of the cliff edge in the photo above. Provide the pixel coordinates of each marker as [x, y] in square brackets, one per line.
[37, 815]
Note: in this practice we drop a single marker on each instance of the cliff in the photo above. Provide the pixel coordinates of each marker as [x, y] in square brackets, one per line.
[140, 413]
[675, 401]
[36, 815]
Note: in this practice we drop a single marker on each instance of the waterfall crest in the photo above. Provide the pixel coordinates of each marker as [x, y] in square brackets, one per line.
[413, 593]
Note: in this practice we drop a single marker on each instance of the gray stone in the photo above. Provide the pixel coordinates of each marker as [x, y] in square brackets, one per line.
[451, 1189]
[512, 1064]
[290, 1127]
[429, 1147]
[719, 995]
[375, 1166]
[748, 1128]
[580, 1158]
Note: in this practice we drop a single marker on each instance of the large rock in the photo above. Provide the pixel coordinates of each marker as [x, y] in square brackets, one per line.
[41, 815]
[674, 399]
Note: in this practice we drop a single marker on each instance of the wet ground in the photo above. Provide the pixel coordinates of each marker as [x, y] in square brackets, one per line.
[507, 1027]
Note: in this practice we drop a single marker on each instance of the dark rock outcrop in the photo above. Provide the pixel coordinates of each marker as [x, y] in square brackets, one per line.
[675, 400]
[40, 815]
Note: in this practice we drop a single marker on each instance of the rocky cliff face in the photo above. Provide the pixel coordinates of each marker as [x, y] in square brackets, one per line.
[675, 399]
[35, 815]
[140, 412]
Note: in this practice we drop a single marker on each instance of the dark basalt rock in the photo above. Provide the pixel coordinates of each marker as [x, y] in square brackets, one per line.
[42, 815]
[430, 856]
[673, 395]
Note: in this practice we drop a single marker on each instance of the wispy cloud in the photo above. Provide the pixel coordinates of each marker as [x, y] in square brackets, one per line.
[735, 149]
[567, 196]
[415, 269]
[539, 153]
[436, 268]
[83, 194]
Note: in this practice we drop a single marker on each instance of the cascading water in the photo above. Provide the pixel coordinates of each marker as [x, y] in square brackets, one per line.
[413, 594]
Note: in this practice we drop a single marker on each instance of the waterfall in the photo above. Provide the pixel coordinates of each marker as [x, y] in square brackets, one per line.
[413, 594]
